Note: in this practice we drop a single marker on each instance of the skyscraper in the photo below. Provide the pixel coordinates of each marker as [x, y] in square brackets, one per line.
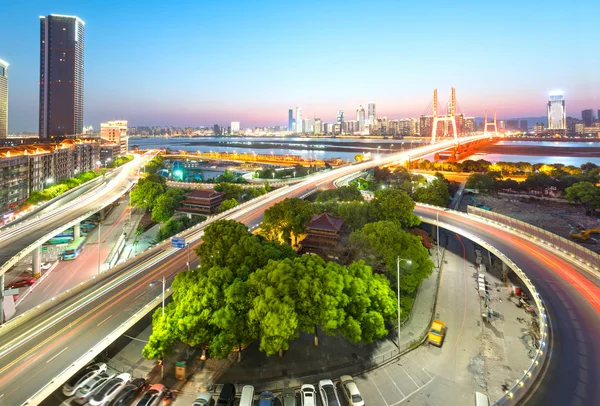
[523, 125]
[557, 115]
[340, 119]
[299, 120]
[290, 120]
[235, 127]
[588, 117]
[61, 75]
[360, 117]
[372, 115]
[3, 99]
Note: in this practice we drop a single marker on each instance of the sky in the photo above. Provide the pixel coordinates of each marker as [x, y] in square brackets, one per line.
[193, 63]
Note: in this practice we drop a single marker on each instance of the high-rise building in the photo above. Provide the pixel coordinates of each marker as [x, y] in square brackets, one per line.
[299, 121]
[235, 127]
[372, 114]
[61, 75]
[586, 115]
[340, 119]
[3, 99]
[318, 127]
[557, 115]
[216, 130]
[307, 125]
[115, 132]
[512, 125]
[523, 125]
[360, 117]
[469, 127]
[290, 120]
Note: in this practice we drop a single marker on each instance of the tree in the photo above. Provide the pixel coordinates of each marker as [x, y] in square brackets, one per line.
[146, 194]
[154, 165]
[481, 182]
[285, 220]
[227, 204]
[434, 192]
[394, 205]
[586, 194]
[341, 194]
[166, 204]
[538, 181]
[380, 244]
[355, 214]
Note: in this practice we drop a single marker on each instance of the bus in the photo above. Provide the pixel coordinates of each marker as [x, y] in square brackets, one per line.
[73, 249]
[58, 240]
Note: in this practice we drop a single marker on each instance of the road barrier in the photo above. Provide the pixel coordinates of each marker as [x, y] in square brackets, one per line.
[574, 250]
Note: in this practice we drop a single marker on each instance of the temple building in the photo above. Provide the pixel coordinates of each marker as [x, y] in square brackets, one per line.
[322, 235]
[201, 202]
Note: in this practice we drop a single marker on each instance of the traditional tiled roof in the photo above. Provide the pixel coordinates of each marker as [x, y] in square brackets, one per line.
[203, 194]
[325, 222]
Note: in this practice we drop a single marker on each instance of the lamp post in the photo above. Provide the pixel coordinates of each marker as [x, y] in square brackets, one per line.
[162, 361]
[188, 254]
[409, 262]
[99, 233]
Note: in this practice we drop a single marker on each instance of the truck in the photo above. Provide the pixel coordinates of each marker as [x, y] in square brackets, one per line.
[437, 332]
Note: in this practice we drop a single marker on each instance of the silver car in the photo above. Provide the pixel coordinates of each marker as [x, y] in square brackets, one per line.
[288, 397]
[81, 377]
[92, 386]
[329, 395]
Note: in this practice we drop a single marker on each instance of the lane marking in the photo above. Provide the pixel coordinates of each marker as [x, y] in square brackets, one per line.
[409, 376]
[63, 350]
[413, 392]
[102, 322]
[394, 382]
[378, 391]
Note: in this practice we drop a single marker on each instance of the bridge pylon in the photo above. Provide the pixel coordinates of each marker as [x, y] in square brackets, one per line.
[451, 117]
[490, 124]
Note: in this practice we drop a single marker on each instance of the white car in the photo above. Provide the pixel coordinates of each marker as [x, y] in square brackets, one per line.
[110, 390]
[329, 395]
[350, 391]
[45, 266]
[308, 395]
[92, 386]
[81, 377]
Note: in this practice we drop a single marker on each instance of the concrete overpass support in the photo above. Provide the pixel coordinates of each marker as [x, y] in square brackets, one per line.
[36, 261]
[102, 214]
[77, 231]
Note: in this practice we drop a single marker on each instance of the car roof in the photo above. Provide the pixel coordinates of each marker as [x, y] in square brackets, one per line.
[351, 385]
[324, 382]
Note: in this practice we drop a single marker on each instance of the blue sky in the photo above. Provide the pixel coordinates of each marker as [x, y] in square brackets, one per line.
[195, 63]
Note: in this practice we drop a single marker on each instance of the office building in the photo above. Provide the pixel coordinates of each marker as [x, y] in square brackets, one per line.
[61, 75]
[539, 128]
[216, 130]
[360, 117]
[235, 127]
[299, 122]
[115, 132]
[372, 115]
[340, 119]
[318, 127]
[3, 99]
[469, 126]
[557, 115]
[307, 125]
[512, 125]
[523, 126]
[587, 116]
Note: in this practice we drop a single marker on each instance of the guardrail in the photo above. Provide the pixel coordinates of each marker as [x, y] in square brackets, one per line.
[526, 381]
[85, 359]
[582, 254]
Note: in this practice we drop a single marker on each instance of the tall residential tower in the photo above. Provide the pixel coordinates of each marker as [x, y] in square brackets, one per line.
[372, 114]
[557, 115]
[299, 122]
[61, 75]
[3, 99]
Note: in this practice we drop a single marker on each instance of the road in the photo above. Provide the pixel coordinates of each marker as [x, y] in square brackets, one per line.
[29, 354]
[13, 240]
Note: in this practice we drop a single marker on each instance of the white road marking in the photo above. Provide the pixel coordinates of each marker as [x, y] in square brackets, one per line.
[413, 392]
[140, 295]
[416, 384]
[427, 373]
[102, 322]
[378, 391]
[394, 382]
[63, 350]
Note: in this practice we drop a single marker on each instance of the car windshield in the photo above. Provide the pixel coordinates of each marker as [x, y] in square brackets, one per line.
[434, 331]
[356, 397]
[83, 374]
[331, 400]
[107, 388]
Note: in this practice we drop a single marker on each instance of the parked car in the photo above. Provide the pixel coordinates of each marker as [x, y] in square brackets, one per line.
[129, 392]
[288, 397]
[247, 396]
[308, 395]
[227, 395]
[81, 377]
[45, 266]
[85, 393]
[204, 399]
[437, 332]
[328, 393]
[266, 399]
[110, 390]
[350, 391]
[153, 396]
[22, 282]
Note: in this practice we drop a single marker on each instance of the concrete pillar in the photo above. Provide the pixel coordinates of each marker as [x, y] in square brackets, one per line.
[505, 270]
[77, 231]
[36, 262]
[2, 299]
[102, 214]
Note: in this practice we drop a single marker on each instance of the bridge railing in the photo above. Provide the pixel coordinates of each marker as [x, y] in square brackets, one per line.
[576, 251]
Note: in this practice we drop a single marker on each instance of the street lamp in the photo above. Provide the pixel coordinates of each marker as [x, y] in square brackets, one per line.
[409, 262]
[162, 368]
[188, 254]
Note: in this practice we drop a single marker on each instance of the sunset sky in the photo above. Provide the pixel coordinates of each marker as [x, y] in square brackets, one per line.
[192, 63]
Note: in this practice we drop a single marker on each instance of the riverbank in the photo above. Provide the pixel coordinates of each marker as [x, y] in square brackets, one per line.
[533, 150]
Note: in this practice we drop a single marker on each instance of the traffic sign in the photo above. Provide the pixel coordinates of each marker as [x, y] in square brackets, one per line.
[178, 242]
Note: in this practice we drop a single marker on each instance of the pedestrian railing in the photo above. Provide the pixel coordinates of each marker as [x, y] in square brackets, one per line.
[576, 251]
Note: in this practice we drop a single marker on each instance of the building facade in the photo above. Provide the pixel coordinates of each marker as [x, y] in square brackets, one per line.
[586, 115]
[360, 117]
[3, 99]
[235, 127]
[372, 114]
[290, 120]
[299, 123]
[201, 202]
[115, 132]
[557, 115]
[61, 75]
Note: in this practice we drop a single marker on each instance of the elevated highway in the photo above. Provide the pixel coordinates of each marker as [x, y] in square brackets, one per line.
[40, 350]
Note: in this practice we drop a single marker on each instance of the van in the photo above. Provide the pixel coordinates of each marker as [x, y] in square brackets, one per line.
[227, 395]
[481, 399]
[247, 397]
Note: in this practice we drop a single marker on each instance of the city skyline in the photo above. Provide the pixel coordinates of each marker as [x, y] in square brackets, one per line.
[214, 75]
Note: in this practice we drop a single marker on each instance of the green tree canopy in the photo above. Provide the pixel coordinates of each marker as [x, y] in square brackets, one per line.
[166, 204]
[435, 192]
[227, 204]
[286, 219]
[586, 194]
[341, 194]
[394, 205]
[481, 182]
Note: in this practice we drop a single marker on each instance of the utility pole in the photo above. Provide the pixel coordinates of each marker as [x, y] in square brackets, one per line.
[99, 240]
[437, 220]
[398, 287]
[189, 265]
